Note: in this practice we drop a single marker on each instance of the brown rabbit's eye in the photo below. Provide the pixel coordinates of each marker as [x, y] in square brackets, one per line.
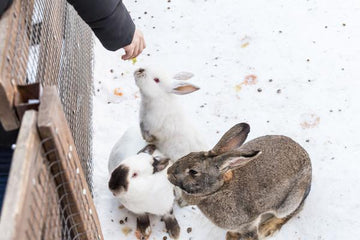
[192, 172]
[156, 80]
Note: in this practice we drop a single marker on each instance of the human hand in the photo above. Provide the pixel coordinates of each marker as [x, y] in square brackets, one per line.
[135, 47]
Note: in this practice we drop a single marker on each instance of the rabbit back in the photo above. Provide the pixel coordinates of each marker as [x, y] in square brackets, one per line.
[276, 182]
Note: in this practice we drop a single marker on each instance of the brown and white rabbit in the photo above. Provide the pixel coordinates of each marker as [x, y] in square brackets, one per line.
[251, 190]
[139, 181]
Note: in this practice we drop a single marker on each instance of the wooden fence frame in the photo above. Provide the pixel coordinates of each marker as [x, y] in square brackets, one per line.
[48, 125]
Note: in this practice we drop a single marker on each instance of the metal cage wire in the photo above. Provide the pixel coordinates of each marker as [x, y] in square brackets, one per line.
[54, 46]
[49, 199]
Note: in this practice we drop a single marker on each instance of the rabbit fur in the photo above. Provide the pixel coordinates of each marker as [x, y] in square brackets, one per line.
[251, 190]
[139, 181]
[162, 119]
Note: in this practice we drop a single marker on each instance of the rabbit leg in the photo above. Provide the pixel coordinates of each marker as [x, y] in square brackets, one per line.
[271, 225]
[250, 235]
[146, 134]
[143, 228]
[171, 225]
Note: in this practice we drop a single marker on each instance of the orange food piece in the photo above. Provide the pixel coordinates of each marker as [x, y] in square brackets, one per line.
[117, 92]
[250, 79]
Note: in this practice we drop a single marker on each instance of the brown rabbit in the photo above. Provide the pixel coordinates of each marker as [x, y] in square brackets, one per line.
[251, 190]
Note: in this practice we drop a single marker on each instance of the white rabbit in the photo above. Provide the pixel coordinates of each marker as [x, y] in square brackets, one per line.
[128, 145]
[140, 182]
[162, 120]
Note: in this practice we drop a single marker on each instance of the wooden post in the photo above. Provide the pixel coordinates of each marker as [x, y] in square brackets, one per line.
[52, 125]
[14, 213]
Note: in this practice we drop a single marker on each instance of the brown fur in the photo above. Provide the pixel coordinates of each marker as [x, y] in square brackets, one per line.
[270, 174]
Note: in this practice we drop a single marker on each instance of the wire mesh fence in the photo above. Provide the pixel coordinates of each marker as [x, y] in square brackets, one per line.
[49, 43]
[51, 214]
[47, 195]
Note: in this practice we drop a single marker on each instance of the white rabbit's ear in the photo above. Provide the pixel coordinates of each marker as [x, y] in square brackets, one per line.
[182, 88]
[233, 162]
[149, 149]
[183, 76]
[160, 164]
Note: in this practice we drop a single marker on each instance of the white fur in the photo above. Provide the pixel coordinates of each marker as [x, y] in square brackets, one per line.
[130, 143]
[163, 116]
[147, 192]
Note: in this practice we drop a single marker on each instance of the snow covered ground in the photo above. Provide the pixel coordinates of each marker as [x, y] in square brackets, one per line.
[285, 67]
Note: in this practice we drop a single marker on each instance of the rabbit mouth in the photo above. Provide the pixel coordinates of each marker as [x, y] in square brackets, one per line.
[139, 73]
[172, 179]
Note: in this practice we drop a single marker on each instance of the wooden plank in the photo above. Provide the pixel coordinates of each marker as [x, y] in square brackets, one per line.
[52, 124]
[16, 197]
[8, 117]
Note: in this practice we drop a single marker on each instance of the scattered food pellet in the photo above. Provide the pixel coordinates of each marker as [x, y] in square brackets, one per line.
[280, 31]
[309, 121]
[126, 230]
[112, 220]
[250, 79]
[117, 92]
[308, 60]
[188, 230]
[270, 80]
[326, 26]
[259, 90]
[111, 70]
[278, 91]
[145, 12]
[121, 207]
[344, 24]
[307, 140]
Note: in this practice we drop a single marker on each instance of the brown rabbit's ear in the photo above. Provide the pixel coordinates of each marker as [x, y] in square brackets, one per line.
[182, 88]
[236, 160]
[232, 139]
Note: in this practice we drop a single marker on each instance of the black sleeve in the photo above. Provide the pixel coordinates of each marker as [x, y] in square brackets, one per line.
[4, 4]
[109, 20]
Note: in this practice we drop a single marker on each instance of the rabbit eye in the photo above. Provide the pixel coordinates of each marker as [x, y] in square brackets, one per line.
[134, 175]
[156, 80]
[192, 172]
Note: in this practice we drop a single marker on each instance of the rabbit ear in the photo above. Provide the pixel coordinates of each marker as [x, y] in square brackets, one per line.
[149, 149]
[182, 88]
[183, 76]
[237, 159]
[160, 164]
[232, 139]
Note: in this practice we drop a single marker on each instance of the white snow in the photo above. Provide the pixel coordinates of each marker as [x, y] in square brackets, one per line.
[305, 55]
